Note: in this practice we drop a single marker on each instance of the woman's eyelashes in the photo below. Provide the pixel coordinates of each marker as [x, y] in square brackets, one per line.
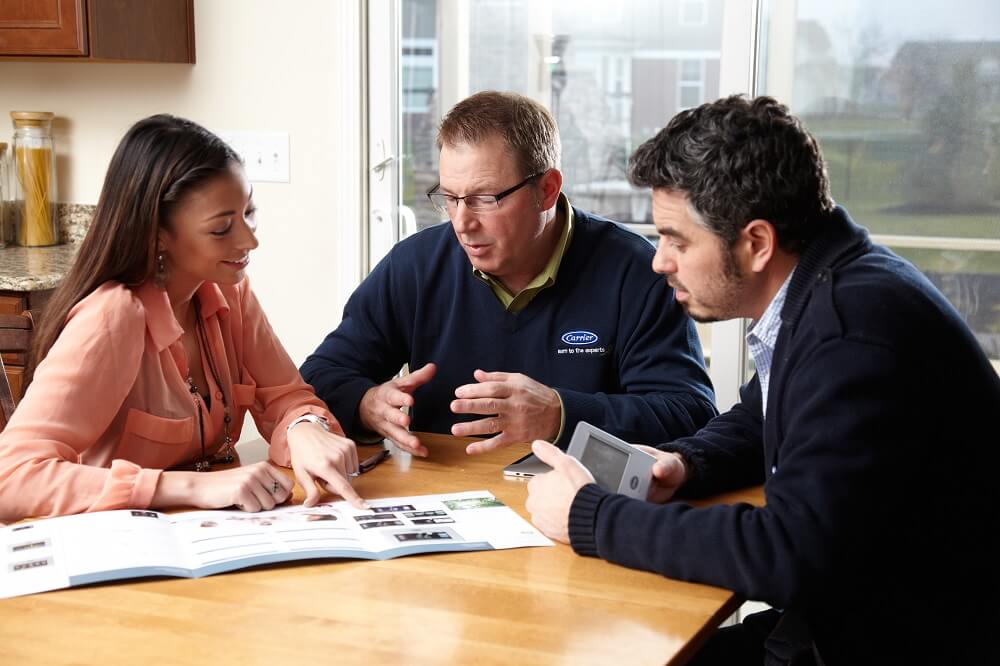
[248, 216]
[224, 230]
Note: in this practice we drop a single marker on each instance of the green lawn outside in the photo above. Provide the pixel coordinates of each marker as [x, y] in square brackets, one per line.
[909, 178]
[871, 162]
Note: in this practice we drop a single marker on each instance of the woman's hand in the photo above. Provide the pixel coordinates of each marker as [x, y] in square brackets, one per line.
[321, 457]
[257, 487]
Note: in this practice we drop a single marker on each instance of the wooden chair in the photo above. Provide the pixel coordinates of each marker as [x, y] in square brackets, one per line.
[15, 338]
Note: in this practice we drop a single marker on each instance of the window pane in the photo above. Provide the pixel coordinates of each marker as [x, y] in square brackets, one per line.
[690, 96]
[906, 105]
[692, 12]
[610, 73]
[418, 77]
[691, 71]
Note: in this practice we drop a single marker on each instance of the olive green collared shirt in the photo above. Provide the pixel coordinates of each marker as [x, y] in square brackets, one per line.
[547, 278]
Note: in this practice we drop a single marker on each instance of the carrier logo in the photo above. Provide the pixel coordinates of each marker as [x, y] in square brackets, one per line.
[579, 338]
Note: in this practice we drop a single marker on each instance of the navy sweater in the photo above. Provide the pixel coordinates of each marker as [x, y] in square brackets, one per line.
[879, 458]
[607, 336]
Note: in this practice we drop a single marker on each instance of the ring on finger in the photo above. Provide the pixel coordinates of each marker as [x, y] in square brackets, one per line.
[274, 487]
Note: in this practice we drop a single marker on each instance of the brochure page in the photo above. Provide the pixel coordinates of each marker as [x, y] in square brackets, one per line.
[75, 550]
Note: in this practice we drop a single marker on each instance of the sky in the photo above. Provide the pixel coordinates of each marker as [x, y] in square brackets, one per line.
[900, 21]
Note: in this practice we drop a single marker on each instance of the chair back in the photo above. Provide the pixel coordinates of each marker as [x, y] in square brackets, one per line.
[15, 341]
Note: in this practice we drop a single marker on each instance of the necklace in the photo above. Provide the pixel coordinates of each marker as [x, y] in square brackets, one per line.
[228, 454]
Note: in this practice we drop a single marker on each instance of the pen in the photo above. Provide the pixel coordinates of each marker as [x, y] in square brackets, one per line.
[369, 463]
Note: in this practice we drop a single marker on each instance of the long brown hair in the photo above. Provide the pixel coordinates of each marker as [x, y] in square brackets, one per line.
[159, 160]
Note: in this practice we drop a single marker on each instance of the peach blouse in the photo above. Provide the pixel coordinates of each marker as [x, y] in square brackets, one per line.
[109, 408]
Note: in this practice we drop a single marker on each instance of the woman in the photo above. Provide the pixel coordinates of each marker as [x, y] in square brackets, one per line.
[154, 348]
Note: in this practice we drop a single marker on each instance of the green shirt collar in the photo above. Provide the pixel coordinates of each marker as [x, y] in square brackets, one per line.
[547, 278]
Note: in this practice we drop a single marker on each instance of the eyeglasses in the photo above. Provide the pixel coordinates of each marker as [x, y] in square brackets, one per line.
[479, 203]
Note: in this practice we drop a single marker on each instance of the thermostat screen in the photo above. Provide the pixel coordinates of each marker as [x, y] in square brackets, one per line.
[605, 462]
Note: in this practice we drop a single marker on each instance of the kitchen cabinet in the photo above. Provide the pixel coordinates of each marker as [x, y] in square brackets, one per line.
[16, 302]
[98, 30]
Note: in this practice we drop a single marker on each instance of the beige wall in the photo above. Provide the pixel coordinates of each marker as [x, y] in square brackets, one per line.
[261, 65]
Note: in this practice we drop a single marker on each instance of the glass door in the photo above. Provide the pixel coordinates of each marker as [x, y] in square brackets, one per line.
[612, 74]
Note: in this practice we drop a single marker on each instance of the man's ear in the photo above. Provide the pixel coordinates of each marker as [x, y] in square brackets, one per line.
[549, 187]
[760, 242]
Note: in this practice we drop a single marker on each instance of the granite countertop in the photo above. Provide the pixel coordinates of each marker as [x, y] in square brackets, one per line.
[39, 268]
[35, 268]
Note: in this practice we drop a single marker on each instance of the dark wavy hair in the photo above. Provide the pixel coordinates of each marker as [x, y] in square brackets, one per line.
[737, 160]
[157, 163]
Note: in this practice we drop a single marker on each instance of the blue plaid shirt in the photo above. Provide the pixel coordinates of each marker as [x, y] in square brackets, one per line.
[763, 335]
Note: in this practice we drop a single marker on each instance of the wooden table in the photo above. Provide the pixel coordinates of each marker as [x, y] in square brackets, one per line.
[523, 606]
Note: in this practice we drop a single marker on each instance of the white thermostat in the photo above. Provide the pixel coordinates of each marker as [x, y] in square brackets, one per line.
[617, 466]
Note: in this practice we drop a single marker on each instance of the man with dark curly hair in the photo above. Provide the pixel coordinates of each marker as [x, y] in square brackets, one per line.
[868, 419]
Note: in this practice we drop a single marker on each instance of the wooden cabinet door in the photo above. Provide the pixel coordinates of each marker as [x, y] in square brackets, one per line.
[15, 376]
[43, 27]
[145, 31]
[13, 303]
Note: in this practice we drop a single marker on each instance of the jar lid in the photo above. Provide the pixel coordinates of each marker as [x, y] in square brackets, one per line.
[31, 118]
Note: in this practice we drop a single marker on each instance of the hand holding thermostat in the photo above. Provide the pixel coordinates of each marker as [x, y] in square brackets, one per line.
[593, 456]
[617, 466]
[669, 474]
[550, 495]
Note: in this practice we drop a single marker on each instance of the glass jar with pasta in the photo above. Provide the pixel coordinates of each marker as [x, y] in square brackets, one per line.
[34, 179]
[5, 234]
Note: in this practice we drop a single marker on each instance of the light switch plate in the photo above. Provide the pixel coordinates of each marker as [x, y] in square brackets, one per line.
[265, 154]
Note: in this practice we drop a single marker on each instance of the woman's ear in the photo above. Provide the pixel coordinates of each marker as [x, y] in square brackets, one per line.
[162, 241]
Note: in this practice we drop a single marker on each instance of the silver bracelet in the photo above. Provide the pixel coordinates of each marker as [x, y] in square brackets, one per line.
[312, 418]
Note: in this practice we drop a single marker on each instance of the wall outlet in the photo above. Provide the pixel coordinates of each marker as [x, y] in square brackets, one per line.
[265, 154]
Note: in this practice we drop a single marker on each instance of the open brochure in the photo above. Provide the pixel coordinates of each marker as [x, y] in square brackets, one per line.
[75, 550]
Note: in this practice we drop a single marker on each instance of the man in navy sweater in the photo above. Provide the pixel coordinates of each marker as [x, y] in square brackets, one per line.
[871, 419]
[518, 319]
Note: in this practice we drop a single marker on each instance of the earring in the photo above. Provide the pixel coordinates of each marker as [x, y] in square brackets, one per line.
[161, 269]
